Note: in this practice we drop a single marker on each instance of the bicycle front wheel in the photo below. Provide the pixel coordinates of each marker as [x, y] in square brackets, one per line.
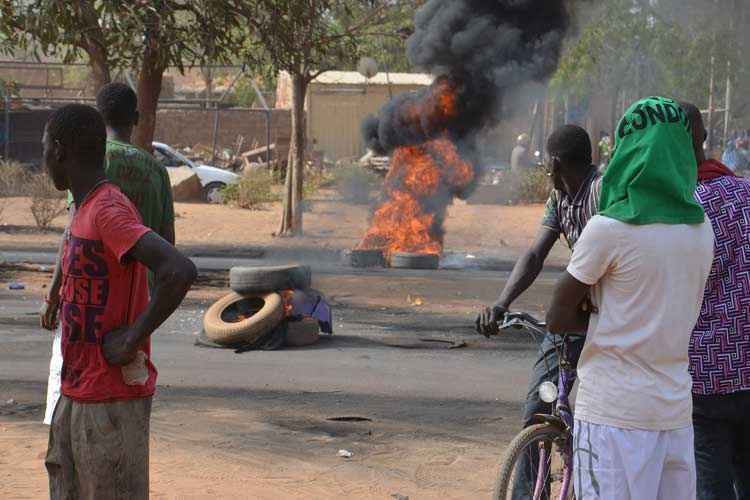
[536, 466]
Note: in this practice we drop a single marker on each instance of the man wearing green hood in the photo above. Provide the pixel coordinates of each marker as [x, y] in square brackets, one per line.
[643, 261]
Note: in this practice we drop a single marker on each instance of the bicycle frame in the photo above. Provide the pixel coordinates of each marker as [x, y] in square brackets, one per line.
[562, 414]
[566, 379]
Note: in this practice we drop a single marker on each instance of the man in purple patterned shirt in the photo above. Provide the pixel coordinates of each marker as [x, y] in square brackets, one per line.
[720, 345]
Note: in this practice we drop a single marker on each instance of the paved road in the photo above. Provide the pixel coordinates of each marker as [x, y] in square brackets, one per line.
[440, 399]
[356, 359]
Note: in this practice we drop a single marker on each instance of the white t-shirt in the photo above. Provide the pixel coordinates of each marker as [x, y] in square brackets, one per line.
[648, 286]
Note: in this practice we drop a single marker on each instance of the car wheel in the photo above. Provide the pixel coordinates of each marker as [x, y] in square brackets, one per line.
[214, 192]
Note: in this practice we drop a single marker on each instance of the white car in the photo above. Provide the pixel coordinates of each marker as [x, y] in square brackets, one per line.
[212, 179]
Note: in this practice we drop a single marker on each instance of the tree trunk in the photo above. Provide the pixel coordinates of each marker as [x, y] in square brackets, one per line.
[149, 89]
[100, 73]
[93, 43]
[613, 115]
[291, 223]
[286, 214]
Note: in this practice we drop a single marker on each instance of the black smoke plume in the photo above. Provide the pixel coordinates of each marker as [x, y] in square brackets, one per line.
[484, 47]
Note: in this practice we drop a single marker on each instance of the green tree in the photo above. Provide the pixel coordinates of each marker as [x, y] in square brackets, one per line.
[632, 48]
[145, 35]
[385, 43]
[305, 38]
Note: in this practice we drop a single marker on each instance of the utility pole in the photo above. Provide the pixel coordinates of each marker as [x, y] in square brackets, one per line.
[727, 102]
[711, 107]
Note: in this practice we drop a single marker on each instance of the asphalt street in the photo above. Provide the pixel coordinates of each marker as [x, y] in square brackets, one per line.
[378, 365]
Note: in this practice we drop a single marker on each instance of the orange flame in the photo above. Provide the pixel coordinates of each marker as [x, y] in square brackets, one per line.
[421, 180]
[286, 297]
[405, 223]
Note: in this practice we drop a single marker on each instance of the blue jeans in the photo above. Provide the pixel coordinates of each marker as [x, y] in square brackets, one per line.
[722, 445]
[546, 368]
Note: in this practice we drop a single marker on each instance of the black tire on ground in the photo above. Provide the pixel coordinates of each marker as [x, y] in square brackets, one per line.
[302, 333]
[403, 260]
[236, 318]
[367, 258]
[269, 279]
[212, 192]
[526, 438]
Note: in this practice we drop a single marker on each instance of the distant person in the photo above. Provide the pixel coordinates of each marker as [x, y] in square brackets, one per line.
[143, 179]
[720, 346]
[573, 201]
[743, 155]
[605, 150]
[731, 157]
[520, 159]
[643, 261]
[136, 172]
[99, 437]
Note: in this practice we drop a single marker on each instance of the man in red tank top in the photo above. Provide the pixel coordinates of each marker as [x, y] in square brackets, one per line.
[98, 444]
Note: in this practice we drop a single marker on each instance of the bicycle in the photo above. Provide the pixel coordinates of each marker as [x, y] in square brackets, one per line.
[545, 448]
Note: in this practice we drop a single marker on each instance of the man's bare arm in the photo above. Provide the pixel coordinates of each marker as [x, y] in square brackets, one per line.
[174, 274]
[48, 313]
[525, 272]
[528, 267]
[566, 312]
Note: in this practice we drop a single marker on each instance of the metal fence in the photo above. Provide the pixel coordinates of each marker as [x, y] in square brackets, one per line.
[22, 124]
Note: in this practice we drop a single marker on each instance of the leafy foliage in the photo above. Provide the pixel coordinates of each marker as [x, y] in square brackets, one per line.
[147, 34]
[182, 31]
[253, 191]
[534, 186]
[304, 38]
[47, 203]
[638, 47]
[13, 179]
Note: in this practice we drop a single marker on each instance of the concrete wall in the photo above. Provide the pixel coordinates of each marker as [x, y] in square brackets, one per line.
[178, 127]
[335, 114]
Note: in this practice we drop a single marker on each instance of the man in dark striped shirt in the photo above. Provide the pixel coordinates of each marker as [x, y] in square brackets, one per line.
[573, 201]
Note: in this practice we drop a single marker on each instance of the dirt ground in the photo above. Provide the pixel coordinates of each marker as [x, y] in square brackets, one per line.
[224, 442]
[189, 462]
[221, 432]
[490, 230]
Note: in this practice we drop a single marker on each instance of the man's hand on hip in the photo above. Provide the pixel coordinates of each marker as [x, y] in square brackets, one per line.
[120, 346]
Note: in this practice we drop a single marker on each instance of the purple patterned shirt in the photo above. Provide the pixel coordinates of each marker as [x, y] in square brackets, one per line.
[720, 345]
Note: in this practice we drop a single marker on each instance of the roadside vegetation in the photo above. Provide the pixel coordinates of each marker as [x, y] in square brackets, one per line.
[534, 187]
[351, 183]
[256, 189]
[47, 203]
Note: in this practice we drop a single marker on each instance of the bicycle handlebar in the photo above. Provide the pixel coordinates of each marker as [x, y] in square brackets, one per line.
[522, 320]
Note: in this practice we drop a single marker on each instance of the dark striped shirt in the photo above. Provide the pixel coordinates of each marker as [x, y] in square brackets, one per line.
[568, 216]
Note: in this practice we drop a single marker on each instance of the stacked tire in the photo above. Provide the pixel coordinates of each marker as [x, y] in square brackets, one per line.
[255, 308]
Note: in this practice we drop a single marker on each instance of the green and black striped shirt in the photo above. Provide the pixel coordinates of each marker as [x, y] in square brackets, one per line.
[568, 216]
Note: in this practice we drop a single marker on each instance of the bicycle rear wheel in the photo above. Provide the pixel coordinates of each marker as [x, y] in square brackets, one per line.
[535, 466]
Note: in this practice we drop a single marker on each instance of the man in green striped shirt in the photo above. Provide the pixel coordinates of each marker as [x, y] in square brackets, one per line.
[136, 172]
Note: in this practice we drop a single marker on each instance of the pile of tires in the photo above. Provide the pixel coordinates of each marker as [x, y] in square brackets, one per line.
[255, 310]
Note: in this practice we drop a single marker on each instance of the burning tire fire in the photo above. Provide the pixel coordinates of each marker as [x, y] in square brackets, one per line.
[367, 258]
[404, 260]
[421, 182]
[479, 50]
